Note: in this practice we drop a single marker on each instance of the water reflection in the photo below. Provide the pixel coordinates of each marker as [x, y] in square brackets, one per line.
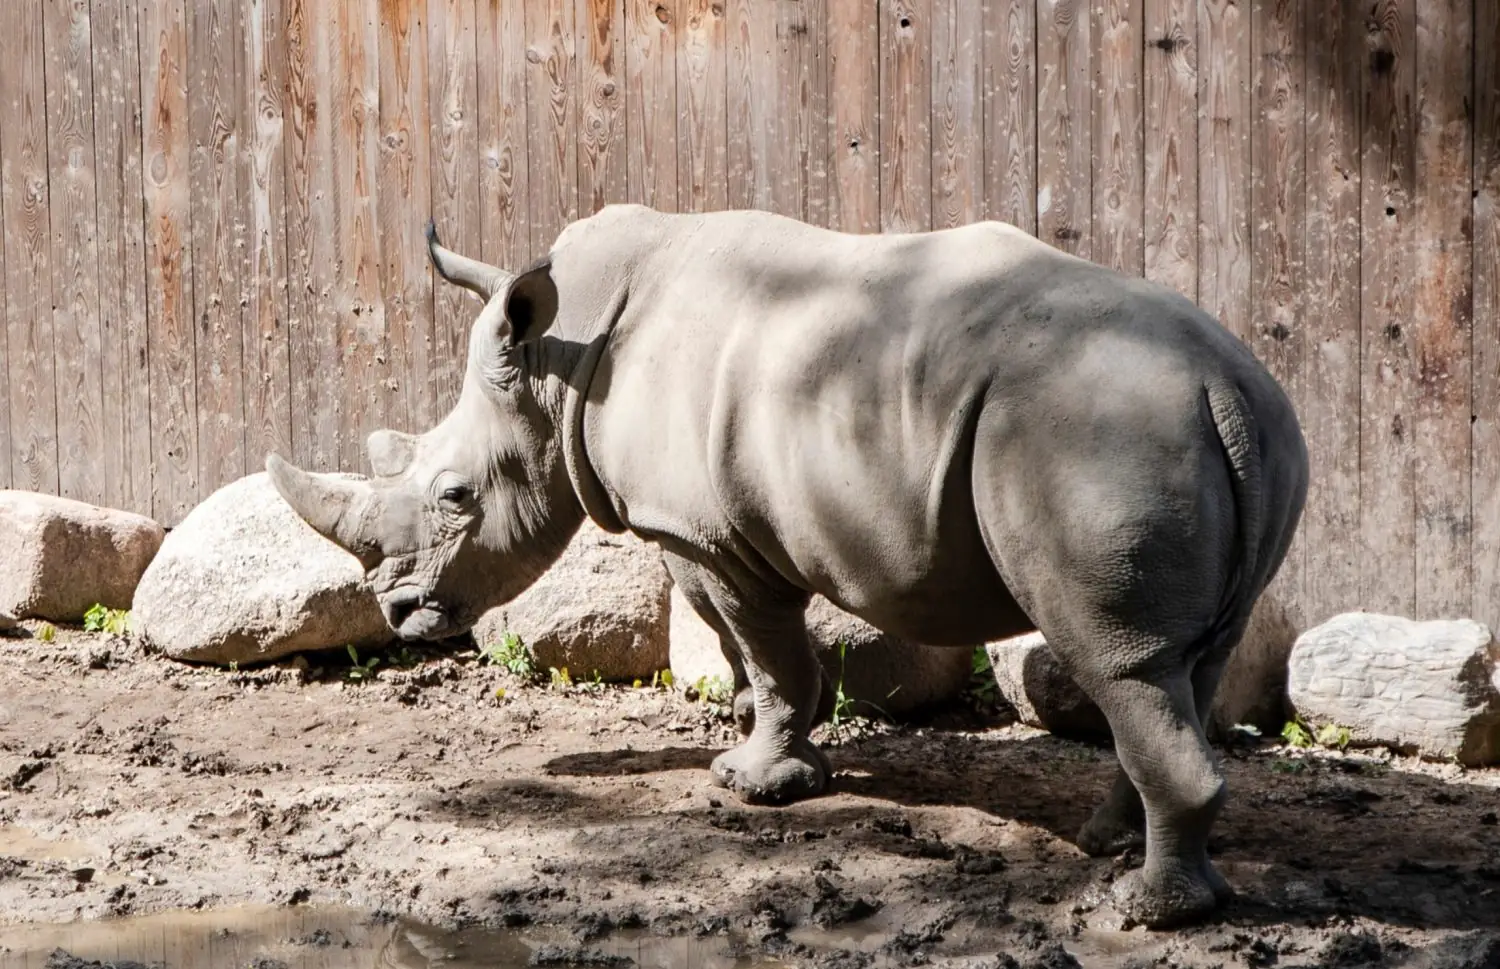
[332, 938]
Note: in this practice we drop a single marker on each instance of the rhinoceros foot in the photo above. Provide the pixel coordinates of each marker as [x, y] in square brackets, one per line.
[758, 776]
[1170, 895]
[1118, 825]
[744, 707]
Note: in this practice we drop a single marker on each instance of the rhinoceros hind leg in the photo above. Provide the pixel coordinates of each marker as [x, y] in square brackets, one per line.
[1118, 825]
[744, 705]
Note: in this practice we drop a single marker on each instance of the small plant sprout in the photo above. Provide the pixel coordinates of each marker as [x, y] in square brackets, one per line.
[102, 619]
[361, 671]
[1296, 735]
[46, 632]
[559, 679]
[511, 653]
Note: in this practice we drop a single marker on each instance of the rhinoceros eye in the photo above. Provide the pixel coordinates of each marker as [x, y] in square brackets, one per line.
[456, 494]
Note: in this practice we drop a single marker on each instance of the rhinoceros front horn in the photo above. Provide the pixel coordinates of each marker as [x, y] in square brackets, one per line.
[334, 507]
[477, 277]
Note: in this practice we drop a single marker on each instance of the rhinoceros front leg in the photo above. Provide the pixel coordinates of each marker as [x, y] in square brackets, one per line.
[766, 628]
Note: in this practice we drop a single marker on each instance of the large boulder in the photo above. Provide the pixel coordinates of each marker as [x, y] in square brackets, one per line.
[243, 579]
[600, 609]
[880, 673]
[58, 557]
[1252, 690]
[1430, 688]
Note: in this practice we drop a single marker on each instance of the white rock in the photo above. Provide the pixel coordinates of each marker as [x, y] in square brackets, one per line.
[244, 579]
[1251, 691]
[878, 670]
[58, 557]
[1428, 687]
[601, 608]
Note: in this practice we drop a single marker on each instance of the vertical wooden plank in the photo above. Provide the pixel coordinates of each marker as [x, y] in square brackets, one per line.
[6, 444]
[265, 350]
[1065, 150]
[1330, 414]
[905, 115]
[1119, 150]
[746, 150]
[958, 147]
[1010, 111]
[121, 245]
[854, 95]
[651, 28]
[1171, 131]
[217, 238]
[702, 132]
[1279, 215]
[356, 303]
[1486, 214]
[28, 271]
[776, 85]
[455, 182]
[806, 65]
[169, 266]
[1387, 488]
[1224, 163]
[404, 191]
[316, 371]
[1442, 306]
[74, 258]
[601, 104]
[503, 175]
[551, 126]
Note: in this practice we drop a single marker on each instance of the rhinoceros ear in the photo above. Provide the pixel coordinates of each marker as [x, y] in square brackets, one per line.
[531, 302]
[390, 452]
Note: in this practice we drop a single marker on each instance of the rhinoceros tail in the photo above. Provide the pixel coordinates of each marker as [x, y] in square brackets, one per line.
[1235, 423]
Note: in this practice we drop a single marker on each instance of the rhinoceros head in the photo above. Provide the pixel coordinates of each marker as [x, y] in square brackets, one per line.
[467, 515]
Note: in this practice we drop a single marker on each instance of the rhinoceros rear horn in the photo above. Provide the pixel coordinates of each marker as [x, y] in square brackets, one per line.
[333, 506]
[479, 278]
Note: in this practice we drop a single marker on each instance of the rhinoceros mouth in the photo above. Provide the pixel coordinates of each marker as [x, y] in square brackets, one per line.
[413, 616]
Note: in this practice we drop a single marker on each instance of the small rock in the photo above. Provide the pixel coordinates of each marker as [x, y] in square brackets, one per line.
[58, 557]
[1251, 691]
[8, 624]
[244, 579]
[879, 670]
[1429, 687]
[601, 608]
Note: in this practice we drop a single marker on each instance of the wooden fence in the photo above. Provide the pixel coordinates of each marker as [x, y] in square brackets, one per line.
[213, 211]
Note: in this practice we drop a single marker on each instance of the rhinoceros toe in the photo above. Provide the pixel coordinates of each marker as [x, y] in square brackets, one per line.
[758, 776]
[1168, 895]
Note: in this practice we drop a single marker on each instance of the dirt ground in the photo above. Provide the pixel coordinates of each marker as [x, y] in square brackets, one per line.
[130, 784]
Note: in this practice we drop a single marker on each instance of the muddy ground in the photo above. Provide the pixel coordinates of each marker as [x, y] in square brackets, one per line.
[130, 784]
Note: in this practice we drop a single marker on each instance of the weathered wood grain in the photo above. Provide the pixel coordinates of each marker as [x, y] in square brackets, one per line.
[454, 113]
[906, 145]
[1442, 306]
[5, 437]
[854, 101]
[551, 126]
[651, 30]
[958, 147]
[600, 89]
[1010, 111]
[267, 384]
[169, 266]
[1119, 149]
[745, 150]
[805, 25]
[121, 245]
[218, 222]
[28, 253]
[1224, 163]
[1279, 217]
[1170, 213]
[404, 186]
[775, 83]
[1330, 525]
[1065, 151]
[702, 131]
[1486, 337]
[503, 170]
[77, 342]
[1387, 485]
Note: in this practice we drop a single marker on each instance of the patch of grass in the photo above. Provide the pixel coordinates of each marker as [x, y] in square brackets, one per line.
[102, 619]
[511, 653]
[360, 671]
[982, 692]
[1329, 736]
[559, 679]
[843, 716]
[714, 690]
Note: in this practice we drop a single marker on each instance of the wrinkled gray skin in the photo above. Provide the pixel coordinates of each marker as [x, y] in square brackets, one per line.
[958, 436]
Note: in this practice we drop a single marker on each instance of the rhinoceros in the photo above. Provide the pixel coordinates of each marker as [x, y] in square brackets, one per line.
[956, 435]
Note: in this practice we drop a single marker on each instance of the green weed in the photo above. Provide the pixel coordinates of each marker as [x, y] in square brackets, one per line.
[1329, 736]
[714, 690]
[982, 691]
[46, 632]
[361, 671]
[101, 619]
[559, 679]
[511, 653]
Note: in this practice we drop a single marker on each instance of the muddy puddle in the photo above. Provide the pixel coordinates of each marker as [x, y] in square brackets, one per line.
[336, 938]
